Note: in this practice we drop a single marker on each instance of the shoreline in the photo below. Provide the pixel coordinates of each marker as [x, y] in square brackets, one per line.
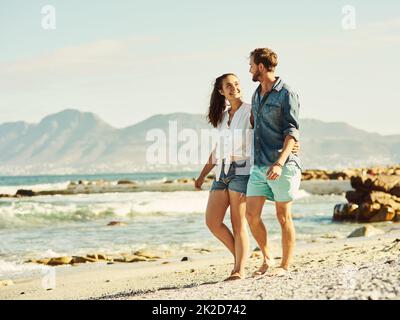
[319, 187]
[316, 273]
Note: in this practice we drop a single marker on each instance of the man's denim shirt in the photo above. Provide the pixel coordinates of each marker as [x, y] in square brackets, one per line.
[276, 115]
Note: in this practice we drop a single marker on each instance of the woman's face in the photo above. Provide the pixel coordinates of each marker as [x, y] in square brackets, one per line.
[231, 88]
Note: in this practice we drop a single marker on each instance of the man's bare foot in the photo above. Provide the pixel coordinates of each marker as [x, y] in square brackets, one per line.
[279, 272]
[235, 276]
[263, 269]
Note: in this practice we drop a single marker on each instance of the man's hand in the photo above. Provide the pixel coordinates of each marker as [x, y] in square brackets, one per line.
[198, 183]
[274, 172]
[296, 148]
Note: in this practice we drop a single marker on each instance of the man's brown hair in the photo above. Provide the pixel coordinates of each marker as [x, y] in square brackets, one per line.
[265, 56]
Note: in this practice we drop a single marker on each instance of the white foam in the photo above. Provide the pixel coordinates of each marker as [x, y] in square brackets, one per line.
[14, 212]
[11, 270]
[302, 194]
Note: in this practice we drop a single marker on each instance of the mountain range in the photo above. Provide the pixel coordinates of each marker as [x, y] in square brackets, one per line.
[72, 141]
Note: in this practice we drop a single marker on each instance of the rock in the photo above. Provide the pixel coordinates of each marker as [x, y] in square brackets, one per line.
[147, 254]
[6, 283]
[134, 258]
[185, 259]
[78, 259]
[368, 183]
[117, 224]
[383, 209]
[130, 259]
[380, 197]
[38, 261]
[202, 250]
[97, 256]
[384, 214]
[59, 261]
[126, 182]
[25, 193]
[365, 231]
[345, 211]
[394, 246]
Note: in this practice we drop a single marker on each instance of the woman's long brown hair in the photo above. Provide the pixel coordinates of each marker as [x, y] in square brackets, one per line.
[217, 102]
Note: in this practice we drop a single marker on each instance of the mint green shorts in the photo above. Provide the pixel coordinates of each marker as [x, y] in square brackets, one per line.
[283, 189]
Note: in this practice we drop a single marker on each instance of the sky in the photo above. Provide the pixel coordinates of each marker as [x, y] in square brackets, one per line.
[128, 60]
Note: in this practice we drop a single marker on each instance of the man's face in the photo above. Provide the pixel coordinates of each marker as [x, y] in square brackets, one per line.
[254, 70]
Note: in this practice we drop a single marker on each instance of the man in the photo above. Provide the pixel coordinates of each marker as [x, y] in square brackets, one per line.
[276, 173]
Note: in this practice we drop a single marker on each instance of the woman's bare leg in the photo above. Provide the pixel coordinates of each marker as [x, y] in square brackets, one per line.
[218, 203]
[239, 225]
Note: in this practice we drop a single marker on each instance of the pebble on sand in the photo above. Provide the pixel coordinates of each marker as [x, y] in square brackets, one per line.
[366, 231]
[6, 283]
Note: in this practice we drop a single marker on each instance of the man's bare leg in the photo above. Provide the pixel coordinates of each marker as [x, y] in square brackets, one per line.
[284, 215]
[254, 206]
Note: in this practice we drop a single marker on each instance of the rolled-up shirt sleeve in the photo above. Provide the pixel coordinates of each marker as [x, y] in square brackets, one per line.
[291, 108]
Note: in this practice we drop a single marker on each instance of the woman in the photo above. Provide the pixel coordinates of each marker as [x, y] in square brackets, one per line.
[231, 157]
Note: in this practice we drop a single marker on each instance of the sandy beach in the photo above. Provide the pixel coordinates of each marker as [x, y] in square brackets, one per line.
[352, 268]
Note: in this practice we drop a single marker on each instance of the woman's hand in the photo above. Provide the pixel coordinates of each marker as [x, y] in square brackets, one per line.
[198, 183]
[274, 172]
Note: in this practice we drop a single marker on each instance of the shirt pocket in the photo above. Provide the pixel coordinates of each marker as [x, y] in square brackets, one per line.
[272, 112]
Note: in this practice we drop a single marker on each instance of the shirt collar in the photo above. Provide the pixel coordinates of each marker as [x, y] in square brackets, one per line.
[278, 85]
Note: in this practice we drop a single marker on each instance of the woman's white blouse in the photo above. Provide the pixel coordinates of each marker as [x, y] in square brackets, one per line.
[235, 141]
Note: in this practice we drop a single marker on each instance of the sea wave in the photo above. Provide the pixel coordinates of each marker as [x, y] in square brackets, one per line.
[45, 209]
[87, 207]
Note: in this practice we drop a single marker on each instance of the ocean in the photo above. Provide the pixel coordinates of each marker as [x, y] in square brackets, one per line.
[47, 226]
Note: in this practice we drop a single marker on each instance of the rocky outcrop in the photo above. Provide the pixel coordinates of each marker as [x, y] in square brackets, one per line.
[101, 186]
[138, 256]
[349, 173]
[375, 198]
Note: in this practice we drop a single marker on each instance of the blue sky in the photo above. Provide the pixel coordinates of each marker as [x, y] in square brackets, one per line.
[128, 60]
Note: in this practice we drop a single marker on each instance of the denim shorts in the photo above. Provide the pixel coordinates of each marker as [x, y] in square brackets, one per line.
[231, 181]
